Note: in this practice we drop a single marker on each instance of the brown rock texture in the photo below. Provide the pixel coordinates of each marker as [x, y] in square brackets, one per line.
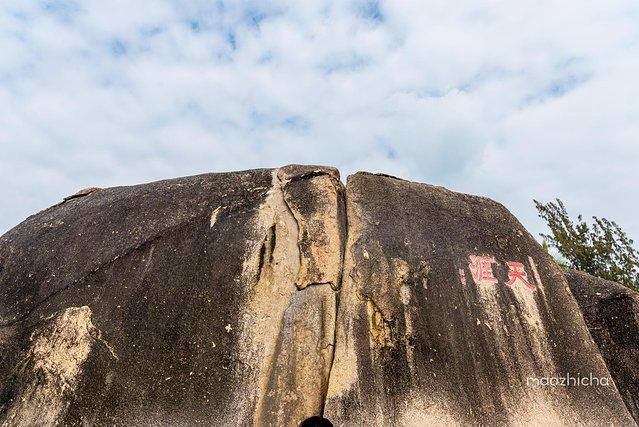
[269, 296]
[193, 301]
[611, 312]
[448, 308]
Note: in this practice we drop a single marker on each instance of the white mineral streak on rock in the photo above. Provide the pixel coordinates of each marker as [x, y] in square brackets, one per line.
[513, 347]
[52, 367]
[276, 312]
[273, 266]
[214, 215]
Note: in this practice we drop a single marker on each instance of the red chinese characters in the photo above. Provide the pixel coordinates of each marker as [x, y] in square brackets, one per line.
[481, 268]
[516, 272]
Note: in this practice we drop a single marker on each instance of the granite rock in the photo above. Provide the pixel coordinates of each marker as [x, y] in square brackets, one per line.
[611, 312]
[275, 296]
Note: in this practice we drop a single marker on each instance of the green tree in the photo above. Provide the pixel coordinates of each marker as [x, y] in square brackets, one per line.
[602, 249]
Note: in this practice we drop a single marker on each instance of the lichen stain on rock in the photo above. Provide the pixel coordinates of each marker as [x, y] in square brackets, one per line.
[381, 333]
[50, 370]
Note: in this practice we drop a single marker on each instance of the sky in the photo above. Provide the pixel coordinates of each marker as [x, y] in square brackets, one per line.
[510, 100]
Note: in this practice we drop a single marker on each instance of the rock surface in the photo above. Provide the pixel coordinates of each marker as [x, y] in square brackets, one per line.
[269, 296]
[611, 312]
[448, 308]
[174, 302]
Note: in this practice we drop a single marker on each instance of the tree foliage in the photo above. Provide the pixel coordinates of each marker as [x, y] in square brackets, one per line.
[602, 249]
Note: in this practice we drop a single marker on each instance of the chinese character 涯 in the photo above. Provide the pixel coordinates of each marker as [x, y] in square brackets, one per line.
[481, 267]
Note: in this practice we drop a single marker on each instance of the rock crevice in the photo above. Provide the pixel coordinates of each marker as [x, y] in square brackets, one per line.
[294, 301]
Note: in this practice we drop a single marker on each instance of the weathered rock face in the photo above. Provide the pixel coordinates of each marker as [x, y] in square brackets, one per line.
[269, 296]
[203, 300]
[611, 312]
[448, 307]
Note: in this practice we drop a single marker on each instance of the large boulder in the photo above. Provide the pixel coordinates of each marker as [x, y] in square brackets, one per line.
[451, 314]
[272, 296]
[202, 300]
[611, 312]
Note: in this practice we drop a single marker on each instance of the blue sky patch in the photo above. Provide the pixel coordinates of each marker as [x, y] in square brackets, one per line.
[371, 11]
[296, 123]
[118, 48]
[61, 9]
[460, 96]
[344, 63]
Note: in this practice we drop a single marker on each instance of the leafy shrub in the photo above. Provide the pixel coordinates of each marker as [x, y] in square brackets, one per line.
[602, 249]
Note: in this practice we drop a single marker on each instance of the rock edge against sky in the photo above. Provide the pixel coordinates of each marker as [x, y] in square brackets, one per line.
[268, 296]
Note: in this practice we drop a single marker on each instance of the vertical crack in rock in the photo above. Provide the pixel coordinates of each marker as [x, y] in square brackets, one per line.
[289, 328]
[343, 232]
[47, 376]
[343, 373]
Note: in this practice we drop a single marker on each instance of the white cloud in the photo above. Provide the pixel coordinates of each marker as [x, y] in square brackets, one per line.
[513, 100]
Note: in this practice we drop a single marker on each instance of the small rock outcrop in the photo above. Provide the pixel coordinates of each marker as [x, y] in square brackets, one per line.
[611, 312]
[280, 296]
